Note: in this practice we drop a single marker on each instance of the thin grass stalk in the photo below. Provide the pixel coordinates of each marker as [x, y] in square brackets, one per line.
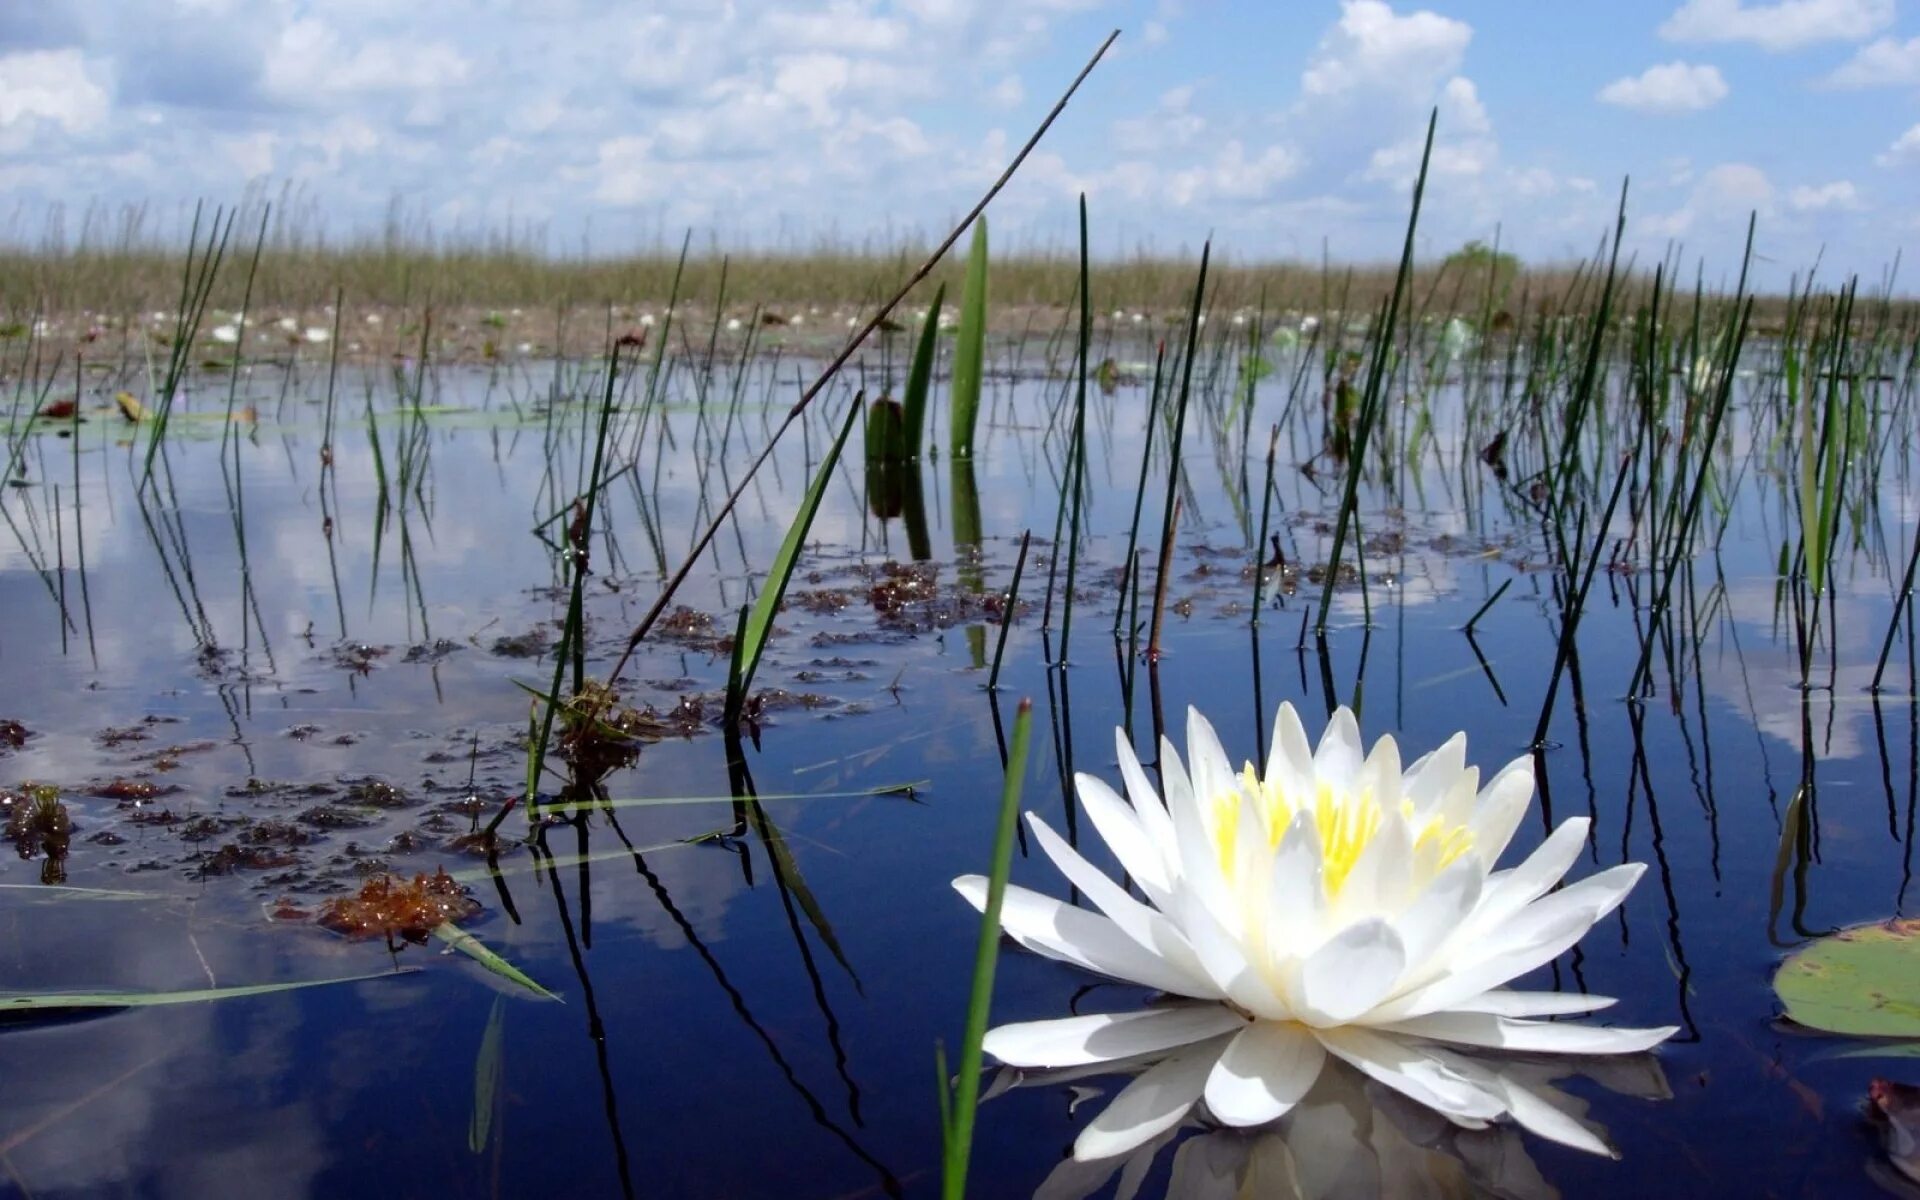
[1376, 385]
[1129, 569]
[1006, 612]
[963, 1104]
[1266, 514]
[1170, 515]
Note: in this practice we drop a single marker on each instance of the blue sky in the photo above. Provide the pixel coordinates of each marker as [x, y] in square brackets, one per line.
[1271, 126]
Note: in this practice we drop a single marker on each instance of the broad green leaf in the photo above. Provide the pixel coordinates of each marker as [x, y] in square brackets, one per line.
[1863, 981]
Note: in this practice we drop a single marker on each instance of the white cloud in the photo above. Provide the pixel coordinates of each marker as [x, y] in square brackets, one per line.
[1784, 25]
[1840, 194]
[1674, 87]
[1886, 62]
[1722, 198]
[52, 85]
[1463, 142]
[1233, 176]
[1171, 125]
[1371, 47]
[1905, 149]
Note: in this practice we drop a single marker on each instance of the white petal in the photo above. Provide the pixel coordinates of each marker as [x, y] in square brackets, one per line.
[1513, 890]
[1430, 777]
[1501, 804]
[1437, 913]
[1547, 1037]
[1120, 828]
[1078, 1041]
[1380, 774]
[1536, 936]
[1548, 1113]
[1336, 761]
[1199, 855]
[1503, 1003]
[1290, 761]
[1263, 1072]
[1148, 928]
[1146, 801]
[1297, 895]
[1352, 972]
[1150, 1105]
[1224, 959]
[1207, 759]
[1378, 882]
[1418, 1076]
[1073, 935]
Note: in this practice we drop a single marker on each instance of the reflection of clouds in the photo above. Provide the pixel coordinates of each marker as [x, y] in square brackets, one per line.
[151, 1082]
[1351, 1137]
[1763, 682]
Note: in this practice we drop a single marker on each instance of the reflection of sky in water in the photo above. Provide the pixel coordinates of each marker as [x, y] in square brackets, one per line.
[740, 1056]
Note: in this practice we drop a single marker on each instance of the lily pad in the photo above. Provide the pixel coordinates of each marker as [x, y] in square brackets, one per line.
[1860, 982]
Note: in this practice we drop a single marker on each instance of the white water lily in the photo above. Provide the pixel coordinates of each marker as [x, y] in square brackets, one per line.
[1336, 907]
[226, 334]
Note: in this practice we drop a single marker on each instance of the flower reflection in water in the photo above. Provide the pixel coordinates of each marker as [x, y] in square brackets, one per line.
[1349, 1138]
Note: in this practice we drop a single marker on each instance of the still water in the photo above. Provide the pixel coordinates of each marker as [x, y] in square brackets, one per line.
[273, 682]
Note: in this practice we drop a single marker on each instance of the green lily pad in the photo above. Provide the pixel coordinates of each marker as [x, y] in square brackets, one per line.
[1860, 982]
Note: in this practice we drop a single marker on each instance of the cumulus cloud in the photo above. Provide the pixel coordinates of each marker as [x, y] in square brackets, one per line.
[51, 85]
[1904, 151]
[1885, 62]
[1785, 25]
[1371, 48]
[1674, 87]
[1722, 198]
[1840, 194]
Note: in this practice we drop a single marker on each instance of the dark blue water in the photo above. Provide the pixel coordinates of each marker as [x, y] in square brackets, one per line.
[737, 1022]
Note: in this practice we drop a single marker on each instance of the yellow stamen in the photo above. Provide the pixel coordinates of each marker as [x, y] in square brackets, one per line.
[1346, 824]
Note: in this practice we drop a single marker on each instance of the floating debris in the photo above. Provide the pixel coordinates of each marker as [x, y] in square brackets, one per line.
[390, 907]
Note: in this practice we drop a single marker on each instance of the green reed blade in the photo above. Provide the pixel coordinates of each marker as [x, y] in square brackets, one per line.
[471, 946]
[759, 622]
[966, 1090]
[911, 436]
[54, 1002]
[969, 349]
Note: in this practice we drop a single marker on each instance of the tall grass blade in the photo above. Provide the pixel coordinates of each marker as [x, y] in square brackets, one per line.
[966, 1089]
[759, 622]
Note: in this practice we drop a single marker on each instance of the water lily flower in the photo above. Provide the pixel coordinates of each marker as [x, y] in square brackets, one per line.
[316, 334]
[226, 334]
[1334, 908]
[288, 325]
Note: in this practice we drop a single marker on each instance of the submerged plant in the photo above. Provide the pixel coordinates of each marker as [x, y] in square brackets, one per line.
[1338, 908]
